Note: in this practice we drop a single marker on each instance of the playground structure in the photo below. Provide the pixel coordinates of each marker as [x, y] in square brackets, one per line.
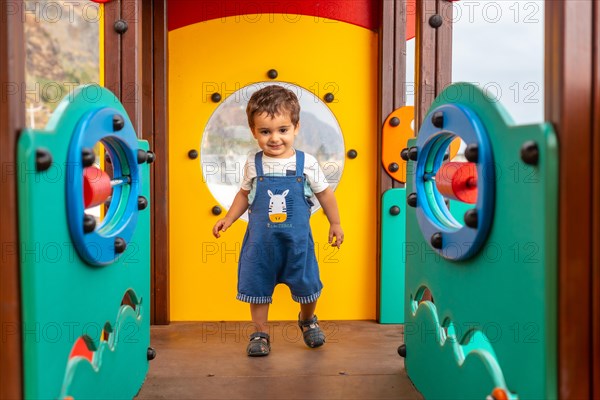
[469, 285]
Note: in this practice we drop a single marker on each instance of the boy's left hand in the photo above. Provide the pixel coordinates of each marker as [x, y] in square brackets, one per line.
[335, 230]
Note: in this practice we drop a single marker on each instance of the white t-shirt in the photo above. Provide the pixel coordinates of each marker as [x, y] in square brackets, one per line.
[315, 178]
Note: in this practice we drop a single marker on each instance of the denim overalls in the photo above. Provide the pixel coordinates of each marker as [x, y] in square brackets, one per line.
[278, 246]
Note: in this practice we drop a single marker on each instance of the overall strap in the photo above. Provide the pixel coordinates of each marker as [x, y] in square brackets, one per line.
[258, 163]
[299, 163]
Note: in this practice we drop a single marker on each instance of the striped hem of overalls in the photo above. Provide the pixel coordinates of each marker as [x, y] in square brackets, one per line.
[254, 299]
[306, 299]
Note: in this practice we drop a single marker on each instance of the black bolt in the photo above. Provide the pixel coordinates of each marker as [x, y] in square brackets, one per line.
[151, 354]
[471, 218]
[121, 26]
[402, 350]
[150, 157]
[141, 156]
[436, 240]
[435, 21]
[87, 157]
[472, 152]
[118, 122]
[411, 200]
[142, 203]
[437, 119]
[328, 97]
[89, 223]
[215, 97]
[530, 153]
[404, 154]
[395, 121]
[352, 154]
[393, 167]
[193, 154]
[272, 73]
[43, 160]
[216, 210]
[413, 153]
[394, 210]
[120, 245]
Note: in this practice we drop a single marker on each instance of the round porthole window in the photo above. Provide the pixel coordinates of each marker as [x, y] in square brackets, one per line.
[227, 141]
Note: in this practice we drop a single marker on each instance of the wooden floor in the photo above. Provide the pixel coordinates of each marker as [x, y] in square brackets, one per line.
[207, 360]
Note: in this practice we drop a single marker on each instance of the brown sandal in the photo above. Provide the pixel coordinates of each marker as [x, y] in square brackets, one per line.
[260, 345]
[312, 333]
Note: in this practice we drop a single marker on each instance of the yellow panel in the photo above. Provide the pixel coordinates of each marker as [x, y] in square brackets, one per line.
[225, 55]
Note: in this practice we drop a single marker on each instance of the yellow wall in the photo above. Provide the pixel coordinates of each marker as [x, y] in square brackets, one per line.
[321, 56]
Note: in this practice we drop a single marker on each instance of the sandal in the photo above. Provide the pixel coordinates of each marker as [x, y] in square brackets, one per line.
[260, 344]
[313, 335]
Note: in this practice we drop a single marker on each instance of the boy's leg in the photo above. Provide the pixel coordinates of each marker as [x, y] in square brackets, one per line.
[307, 311]
[260, 314]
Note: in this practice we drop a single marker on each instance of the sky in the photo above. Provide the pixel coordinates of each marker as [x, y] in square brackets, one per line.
[499, 45]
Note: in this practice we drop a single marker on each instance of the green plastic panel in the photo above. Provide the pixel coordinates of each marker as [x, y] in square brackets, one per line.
[64, 298]
[492, 319]
[393, 233]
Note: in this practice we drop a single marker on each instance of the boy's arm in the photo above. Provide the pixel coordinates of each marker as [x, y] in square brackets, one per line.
[329, 204]
[238, 207]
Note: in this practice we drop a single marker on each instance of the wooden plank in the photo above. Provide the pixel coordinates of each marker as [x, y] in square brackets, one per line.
[386, 82]
[112, 48]
[443, 47]
[568, 106]
[399, 54]
[12, 119]
[147, 132]
[425, 57]
[161, 166]
[596, 204]
[131, 62]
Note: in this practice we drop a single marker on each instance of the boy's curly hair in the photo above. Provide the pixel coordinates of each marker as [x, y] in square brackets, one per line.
[273, 100]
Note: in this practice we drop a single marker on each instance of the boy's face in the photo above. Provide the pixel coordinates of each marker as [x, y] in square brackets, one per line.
[275, 136]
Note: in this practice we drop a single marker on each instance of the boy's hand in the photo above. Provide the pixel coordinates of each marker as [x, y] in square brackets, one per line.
[221, 225]
[335, 230]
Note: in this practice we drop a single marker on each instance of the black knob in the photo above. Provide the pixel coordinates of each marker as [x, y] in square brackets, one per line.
[142, 203]
[436, 240]
[394, 210]
[215, 97]
[120, 245]
[437, 119]
[216, 210]
[352, 154]
[151, 354]
[193, 154]
[472, 152]
[87, 157]
[395, 121]
[118, 122]
[411, 200]
[43, 160]
[328, 97]
[121, 26]
[413, 153]
[435, 21]
[150, 157]
[471, 218]
[89, 223]
[404, 154]
[530, 153]
[272, 73]
[402, 350]
[393, 167]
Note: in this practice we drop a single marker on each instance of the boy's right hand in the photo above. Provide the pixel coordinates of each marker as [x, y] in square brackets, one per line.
[221, 225]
